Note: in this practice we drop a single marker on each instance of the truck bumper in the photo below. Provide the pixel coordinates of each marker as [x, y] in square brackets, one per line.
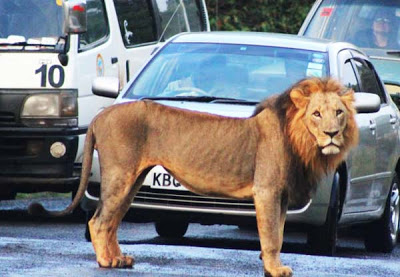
[26, 162]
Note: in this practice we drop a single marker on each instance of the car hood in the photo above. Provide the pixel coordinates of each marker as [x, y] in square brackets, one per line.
[223, 109]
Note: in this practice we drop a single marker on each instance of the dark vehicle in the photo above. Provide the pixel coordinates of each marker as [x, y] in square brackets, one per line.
[371, 25]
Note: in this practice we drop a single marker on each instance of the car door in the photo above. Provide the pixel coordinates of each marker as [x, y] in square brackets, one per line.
[386, 134]
[362, 159]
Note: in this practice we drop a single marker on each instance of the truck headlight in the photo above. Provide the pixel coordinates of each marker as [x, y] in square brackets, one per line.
[55, 109]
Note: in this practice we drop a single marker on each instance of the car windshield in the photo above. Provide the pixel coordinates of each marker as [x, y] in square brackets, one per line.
[233, 71]
[369, 24]
[31, 24]
[389, 70]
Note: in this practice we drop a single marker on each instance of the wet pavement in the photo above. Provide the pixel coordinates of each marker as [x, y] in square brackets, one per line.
[52, 247]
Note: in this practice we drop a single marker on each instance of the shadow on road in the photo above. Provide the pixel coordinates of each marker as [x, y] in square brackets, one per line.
[288, 247]
[347, 247]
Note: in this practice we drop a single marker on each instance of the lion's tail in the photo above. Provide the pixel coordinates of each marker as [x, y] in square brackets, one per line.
[38, 209]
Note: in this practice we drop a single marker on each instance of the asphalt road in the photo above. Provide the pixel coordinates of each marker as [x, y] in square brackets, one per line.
[44, 247]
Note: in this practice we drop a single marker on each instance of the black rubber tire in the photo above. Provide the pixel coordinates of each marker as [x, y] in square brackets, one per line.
[171, 229]
[381, 235]
[322, 240]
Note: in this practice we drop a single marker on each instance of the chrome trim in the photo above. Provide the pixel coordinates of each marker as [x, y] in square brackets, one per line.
[203, 210]
[380, 175]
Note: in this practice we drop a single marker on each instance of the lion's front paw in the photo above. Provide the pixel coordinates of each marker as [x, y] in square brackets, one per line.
[117, 262]
[282, 271]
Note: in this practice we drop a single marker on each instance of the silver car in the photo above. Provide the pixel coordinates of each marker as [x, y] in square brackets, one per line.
[228, 73]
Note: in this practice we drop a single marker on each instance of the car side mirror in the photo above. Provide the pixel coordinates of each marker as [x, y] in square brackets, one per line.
[75, 16]
[367, 102]
[106, 86]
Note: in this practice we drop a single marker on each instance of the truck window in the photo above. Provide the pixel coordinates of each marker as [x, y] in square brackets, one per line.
[178, 16]
[136, 21]
[146, 21]
[365, 23]
[32, 21]
[97, 26]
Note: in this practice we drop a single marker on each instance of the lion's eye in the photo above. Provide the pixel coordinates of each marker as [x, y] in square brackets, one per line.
[339, 112]
[317, 114]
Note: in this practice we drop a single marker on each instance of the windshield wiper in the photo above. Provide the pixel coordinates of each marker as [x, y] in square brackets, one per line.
[25, 44]
[397, 53]
[205, 99]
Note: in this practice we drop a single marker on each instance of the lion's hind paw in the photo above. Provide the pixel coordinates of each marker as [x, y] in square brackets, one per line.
[282, 271]
[118, 262]
[122, 262]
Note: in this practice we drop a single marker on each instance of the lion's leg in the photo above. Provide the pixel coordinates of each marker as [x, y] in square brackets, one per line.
[116, 197]
[270, 222]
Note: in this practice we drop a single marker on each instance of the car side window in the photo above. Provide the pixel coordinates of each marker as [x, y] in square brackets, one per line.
[97, 25]
[177, 17]
[368, 79]
[136, 21]
[349, 78]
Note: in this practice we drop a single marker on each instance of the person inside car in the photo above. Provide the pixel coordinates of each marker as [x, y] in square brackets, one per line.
[382, 33]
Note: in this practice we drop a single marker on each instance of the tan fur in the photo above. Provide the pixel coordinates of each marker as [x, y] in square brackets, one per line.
[274, 157]
[301, 120]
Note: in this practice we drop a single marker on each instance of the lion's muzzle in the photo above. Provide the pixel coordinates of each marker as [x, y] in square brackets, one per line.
[330, 149]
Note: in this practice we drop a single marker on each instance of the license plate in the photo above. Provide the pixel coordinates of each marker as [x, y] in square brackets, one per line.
[159, 178]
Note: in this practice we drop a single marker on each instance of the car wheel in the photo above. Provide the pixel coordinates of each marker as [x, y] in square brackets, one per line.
[322, 240]
[171, 229]
[382, 234]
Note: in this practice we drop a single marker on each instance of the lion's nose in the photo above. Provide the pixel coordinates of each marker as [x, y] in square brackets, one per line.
[331, 134]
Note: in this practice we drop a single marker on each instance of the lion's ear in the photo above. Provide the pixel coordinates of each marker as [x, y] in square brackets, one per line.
[348, 99]
[298, 97]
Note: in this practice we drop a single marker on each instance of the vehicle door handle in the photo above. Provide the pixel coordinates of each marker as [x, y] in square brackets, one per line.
[372, 125]
[114, 60]
[393, 119]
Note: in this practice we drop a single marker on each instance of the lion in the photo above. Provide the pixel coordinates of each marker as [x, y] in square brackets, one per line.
[274, 157]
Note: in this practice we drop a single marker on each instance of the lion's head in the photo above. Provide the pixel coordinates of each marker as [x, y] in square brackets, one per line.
[321, 123]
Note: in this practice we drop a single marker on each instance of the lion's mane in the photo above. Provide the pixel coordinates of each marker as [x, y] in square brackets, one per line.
[307, 163]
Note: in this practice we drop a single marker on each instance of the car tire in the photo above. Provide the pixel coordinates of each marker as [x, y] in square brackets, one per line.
[382, 234]
[171, 229]
[322, 240]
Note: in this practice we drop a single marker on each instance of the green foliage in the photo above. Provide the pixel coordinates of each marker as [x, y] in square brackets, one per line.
[279, 16]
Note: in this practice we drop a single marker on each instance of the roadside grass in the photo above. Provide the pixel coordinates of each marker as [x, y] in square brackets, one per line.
[43, 195]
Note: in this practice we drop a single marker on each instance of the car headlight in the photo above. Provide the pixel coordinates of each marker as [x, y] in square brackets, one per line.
[58, 109]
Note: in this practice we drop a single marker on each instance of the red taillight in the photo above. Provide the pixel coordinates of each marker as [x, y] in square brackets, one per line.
[78, 8]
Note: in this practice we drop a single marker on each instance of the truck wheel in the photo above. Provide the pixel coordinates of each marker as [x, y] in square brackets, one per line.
[382, 234]
[322, 240]
[171, 229]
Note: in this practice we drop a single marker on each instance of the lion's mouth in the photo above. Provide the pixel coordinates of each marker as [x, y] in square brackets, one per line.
[330, 149]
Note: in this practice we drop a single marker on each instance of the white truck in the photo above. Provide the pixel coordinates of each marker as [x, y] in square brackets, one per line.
[50, 51]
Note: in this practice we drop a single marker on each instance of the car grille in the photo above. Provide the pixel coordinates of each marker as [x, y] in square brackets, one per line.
[11, 102]
[185, 198]
[172, 198]
[7, 118]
